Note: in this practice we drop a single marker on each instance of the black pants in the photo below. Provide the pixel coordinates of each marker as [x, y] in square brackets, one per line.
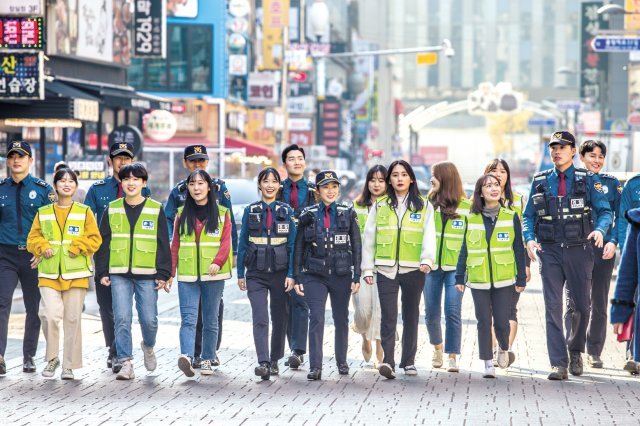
[493, 307]
[597, 330]
[268, 290]
[571, 267]
[15, 265]
[316, 290]
[105, 304]
[412, 284]
[198, 348]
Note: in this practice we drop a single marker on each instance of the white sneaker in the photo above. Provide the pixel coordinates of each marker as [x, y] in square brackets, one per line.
[489, 372]
[184, 364]
[436, 360]
[502, 359]
[126, 372]
[205, 368]
[67, 374]
[51, 367]
[453, 365]
[150, 362]
[410, 370]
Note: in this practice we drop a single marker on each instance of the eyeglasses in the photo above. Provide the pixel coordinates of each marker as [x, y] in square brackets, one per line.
[491, 185]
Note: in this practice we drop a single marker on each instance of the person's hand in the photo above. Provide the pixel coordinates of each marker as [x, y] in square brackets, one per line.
[160, 284]
[532, 247]
[289, 283]
[213, 269]
[425, 268]
[617, 328]
[35, 261]
[519, 289]
[528, 274]
[368, 280]
[460, 288]
[242, 284]
[48, 253]
[299, 288]
[355, 287]
[597, 237]
[72, 254]
[168, 284]
[609, 251]
[106, 281]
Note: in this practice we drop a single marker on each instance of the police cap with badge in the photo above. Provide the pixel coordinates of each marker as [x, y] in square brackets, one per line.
[326, 177]
[121, 148]
[20, 147]
[563, 138]
[196, 152]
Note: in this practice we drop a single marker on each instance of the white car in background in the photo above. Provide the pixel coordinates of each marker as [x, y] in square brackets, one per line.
[243, 192]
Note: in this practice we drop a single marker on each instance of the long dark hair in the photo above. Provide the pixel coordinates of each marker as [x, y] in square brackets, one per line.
[414, 200]
[508, 192]
[187, 222]
[264, 173]
[448, 196]
[364, 199]
[478, 199]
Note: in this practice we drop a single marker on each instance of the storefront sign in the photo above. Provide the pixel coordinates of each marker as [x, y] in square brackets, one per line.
[263, 89]
[299, 124]
[160, 125]
[329, 131]
[86, 110]
[21, 75]
[150, 29]
[276, 17]
[593, 66]
[238, 65]
[21, 33]
[21, 7]
[301, 104]
[89, 170]
[301, 138]
[127, 134]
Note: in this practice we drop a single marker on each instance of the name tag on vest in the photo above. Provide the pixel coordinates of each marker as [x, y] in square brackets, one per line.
[457, 224]
[73, 230]
[503, 236]
[340, 239]
[283, 228]
[148, 225]
[577, 203]
[415, 217]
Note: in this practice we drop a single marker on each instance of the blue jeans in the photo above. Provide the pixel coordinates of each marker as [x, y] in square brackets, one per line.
[435, 282]
[190, 295]
[122, 291]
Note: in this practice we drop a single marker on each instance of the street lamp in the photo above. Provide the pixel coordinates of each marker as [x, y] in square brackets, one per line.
[319, 20]
[613, 8]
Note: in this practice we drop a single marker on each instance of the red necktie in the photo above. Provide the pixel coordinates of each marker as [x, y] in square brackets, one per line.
[327, 218]
[293, 198]
[269, 218]
[562, 185]
[119, 194]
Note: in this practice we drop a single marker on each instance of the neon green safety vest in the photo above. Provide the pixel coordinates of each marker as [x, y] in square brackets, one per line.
[401, 244]
[141, 259]
[194, 258]
[449, 238]
[61, 264]
[494, 262]
[362, 212]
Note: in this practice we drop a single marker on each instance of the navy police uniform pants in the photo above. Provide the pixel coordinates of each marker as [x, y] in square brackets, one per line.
[16, 265]
[298, 323]
[316, 290]
[571, 267]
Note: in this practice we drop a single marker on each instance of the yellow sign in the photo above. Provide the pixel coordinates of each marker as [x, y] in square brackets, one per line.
[631, 20]
[276, 17]
[430, 58]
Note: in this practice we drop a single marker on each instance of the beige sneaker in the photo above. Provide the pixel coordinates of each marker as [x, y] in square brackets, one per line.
[502, 358]
[51, 367]
[126, 372]
[436, 361]
[150, 362]
[453, 365]
[67, 374]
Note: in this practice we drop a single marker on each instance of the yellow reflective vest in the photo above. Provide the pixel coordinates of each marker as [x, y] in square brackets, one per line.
[450, 236]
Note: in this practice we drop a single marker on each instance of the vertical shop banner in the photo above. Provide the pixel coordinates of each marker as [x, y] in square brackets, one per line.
[593, 66]
[150, 29]
[275, 18]
[21, 33]
[329, 131]
[21, 7]
[21, 75]
[95, 29]
[632, 18]
[122, 18]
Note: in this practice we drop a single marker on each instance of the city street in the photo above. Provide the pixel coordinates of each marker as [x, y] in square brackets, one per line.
[233, 395]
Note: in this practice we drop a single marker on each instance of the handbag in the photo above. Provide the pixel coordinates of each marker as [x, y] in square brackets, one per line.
[627, 330]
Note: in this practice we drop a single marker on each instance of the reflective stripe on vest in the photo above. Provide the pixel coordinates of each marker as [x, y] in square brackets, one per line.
[61, 264]
[517, 204]
[398, 243]
[137, 255]
[195, 258]
[449, 239]
[494, 262]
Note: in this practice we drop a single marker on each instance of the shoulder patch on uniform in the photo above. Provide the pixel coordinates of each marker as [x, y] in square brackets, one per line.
[619, 188]
[98, 183]
[543, 173]
[41, 183]
[52, 196]
[598, 187]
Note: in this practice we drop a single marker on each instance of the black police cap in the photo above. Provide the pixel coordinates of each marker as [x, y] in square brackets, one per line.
[326, 177]
[121, 148]
[21, 147]
[196, 152]
[563, 138]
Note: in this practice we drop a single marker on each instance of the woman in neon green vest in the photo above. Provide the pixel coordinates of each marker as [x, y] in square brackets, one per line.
[451, 208]
[200, 250]
[492, 259]
[399, 244]
[62, 239]
[513, 201]
[135, 258]
[366, 304]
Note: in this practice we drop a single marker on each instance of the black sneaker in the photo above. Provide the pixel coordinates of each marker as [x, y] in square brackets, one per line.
[595, 361]
[117, 366]
[343, 369]
[295, 360]
[315, 374]
[28, 365]
[216, 362]
[263, 371]
[109, 362]
[575, 363]
[387, 371]
[196, 362]
[275, 370]
[3, 366]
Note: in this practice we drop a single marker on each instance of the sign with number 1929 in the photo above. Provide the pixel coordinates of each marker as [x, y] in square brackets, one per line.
[150, 28]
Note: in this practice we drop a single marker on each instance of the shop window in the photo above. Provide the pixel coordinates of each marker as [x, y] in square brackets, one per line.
[187, 67]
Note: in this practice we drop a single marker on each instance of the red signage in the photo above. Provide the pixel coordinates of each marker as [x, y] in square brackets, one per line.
[21, 33]
[329, 132]
[433, 154]
[301, 138]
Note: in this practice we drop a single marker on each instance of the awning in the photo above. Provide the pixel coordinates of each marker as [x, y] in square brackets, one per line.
[230, 143]
[59, 89]
[252, 148]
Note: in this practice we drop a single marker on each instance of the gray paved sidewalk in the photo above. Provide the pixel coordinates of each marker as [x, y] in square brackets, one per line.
[521, 395]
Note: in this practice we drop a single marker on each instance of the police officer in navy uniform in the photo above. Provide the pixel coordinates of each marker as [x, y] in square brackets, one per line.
[196, 158]
[298, 193]
[98, 197]
[326, 262]
[559, 225]
[21, 195]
